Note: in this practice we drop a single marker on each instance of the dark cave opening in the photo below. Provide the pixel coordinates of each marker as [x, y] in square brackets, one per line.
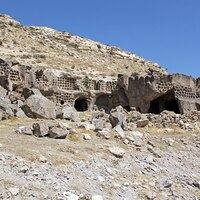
[127, 108]
[172, 105]
[165, 102]
[154, 107]
[103, 102]
[198, 106]
[81, 105]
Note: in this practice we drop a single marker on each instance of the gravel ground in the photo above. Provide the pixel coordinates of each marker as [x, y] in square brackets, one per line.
[162, 166]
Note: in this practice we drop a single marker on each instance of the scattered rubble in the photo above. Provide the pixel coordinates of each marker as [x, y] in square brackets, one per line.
[83, 136]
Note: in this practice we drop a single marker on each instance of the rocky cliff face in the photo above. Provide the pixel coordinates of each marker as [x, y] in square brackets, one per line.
[177, 92]
[42, 46]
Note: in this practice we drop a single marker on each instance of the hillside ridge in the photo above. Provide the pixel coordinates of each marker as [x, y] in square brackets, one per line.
[43, 46]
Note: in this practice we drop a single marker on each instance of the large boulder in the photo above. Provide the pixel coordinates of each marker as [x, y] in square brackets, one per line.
[58, 133]
[7, 108]
[38, 106]
[99, 120]
[118, 117]
[133, 116]
[43, 128]
[11, 110]
[70, 113]
[40, 129]
[117, 151]
[27, 92]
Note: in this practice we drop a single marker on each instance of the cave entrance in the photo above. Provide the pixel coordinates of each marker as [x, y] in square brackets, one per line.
[165, 102]
[104, 102]
[154, 107]
[81, 105]
[172, 105]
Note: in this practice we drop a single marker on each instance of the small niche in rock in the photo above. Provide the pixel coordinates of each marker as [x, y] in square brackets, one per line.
[62, 102]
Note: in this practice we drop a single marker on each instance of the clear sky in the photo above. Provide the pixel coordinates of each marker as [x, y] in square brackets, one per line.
[163, 31]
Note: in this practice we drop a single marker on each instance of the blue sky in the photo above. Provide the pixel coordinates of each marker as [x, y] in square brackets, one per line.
[163, 31]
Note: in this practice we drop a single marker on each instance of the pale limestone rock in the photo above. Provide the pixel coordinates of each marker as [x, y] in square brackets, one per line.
[117, 151]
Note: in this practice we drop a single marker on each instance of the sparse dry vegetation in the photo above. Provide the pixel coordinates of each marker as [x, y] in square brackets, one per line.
[66, 51]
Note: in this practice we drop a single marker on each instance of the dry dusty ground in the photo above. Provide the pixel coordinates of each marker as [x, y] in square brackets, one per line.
[163, 166]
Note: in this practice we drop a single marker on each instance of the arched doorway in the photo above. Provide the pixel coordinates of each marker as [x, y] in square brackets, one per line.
[81, 104]
[165, 102]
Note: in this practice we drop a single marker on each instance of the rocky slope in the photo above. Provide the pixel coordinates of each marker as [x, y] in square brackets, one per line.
[42, 46]
[63, 154]
[156, 164]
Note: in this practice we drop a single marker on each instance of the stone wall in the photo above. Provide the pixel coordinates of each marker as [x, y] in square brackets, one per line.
[59, 86]
[142, 92]
[153, 93]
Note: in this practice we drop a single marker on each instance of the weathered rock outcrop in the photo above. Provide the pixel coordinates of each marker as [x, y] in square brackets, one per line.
[177, 92]
[45, 47]
[140, 164]
[49, 93]
[70, 113]
[118, 117]
[38, 106]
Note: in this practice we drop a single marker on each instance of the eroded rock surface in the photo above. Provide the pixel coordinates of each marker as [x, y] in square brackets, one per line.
[78, 122]
[45, 47]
